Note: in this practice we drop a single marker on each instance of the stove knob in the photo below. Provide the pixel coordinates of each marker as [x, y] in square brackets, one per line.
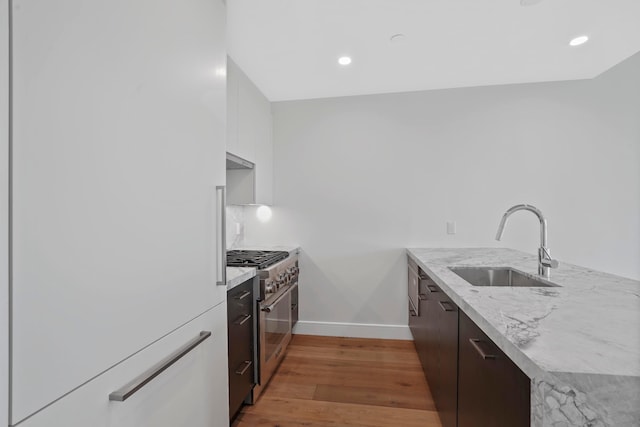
[269, 287]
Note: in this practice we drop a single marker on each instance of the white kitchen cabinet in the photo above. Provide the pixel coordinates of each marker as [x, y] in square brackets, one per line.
[4, 209]
[119, 142]
[250, 133]
[192, 392]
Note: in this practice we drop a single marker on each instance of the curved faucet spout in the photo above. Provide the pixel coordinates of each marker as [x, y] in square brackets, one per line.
[545, 262]
[530, 208]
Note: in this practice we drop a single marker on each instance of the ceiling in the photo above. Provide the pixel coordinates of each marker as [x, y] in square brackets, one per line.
[289, 48]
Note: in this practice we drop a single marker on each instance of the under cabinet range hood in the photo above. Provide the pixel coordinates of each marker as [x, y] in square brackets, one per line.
[235, 162]
[241, 181]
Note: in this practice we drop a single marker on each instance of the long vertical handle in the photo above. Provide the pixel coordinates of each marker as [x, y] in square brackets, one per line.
[221, 241]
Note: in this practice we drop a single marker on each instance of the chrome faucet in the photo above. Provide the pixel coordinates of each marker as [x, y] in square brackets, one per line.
[545, 262]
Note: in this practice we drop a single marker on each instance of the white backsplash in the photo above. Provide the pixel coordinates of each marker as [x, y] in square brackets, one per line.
[235, 223]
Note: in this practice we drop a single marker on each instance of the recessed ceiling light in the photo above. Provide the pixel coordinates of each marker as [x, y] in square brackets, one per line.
[344, 60]
[529, 2]
[397, 38]
[578, 41]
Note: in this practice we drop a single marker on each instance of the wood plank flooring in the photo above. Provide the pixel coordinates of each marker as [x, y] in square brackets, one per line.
[329, 381]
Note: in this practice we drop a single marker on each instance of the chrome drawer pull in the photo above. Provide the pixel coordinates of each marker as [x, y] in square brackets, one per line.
[412, 312]
[442, 303]
[243, 295]
[247, 363]
[129, 389]
[422, 297]
[432, 288]
[244, 319]
[476, 345]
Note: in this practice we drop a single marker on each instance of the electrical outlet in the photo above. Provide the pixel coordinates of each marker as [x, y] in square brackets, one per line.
[451, 227]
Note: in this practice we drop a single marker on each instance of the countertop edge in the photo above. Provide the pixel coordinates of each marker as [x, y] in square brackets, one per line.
[238, 275]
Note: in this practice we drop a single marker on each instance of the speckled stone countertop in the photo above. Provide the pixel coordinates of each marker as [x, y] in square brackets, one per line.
[238, 275]
[579, 342]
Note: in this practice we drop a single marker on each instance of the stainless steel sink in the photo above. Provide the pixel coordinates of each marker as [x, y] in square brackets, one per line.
[499, 276]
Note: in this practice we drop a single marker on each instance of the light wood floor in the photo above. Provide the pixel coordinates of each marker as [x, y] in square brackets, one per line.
[328, 381]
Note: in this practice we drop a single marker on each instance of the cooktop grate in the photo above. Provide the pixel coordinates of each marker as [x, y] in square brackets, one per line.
[258, 259]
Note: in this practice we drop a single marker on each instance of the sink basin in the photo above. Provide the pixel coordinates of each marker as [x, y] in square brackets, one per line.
[499, 276]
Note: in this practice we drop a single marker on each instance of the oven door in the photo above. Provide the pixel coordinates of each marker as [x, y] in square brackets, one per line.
[275, 334]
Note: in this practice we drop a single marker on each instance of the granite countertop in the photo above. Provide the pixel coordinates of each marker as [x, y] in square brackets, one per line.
[579, 340]
[238, 275]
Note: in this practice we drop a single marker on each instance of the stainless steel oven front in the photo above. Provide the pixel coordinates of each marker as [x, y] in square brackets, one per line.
[275, 313]
[275, 333]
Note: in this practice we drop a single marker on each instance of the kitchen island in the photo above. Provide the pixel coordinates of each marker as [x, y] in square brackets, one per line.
[579, 342]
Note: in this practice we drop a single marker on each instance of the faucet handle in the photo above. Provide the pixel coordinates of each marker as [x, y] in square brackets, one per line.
[546, 259]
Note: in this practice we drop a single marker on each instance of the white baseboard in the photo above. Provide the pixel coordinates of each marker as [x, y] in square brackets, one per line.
[353, 330]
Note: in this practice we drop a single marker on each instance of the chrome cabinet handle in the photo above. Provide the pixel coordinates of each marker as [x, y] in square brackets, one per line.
[412, 312]
[247, 364]
[442, 303]
[294, 306]
[244, 319]
[422, 297]
[221, 240]
[243, 295]
[476, 344]
[129, 389]
[432, 288]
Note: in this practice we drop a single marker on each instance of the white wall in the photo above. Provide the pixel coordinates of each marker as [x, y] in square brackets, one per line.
[358, 179]
[4, 211]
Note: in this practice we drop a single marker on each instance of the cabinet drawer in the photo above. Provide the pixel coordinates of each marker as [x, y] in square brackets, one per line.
[493, 391]
[191, 392]
[240, 342]
[240, 300]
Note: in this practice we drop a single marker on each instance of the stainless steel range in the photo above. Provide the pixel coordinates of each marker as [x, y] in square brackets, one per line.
[277, 302]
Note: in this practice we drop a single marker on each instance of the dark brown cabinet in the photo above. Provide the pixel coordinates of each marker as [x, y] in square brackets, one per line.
[434, 326]
[473, 383]
[446, 393]
[492, 390]
[241, 326]
[441, 350]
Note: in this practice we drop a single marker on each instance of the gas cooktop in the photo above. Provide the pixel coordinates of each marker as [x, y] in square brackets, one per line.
[258, 259]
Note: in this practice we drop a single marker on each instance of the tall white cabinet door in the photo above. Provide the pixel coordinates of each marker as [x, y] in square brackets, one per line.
[4, 208]
[191, 393]
[119, 144]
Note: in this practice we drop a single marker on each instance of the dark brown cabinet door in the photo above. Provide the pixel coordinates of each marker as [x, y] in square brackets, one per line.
[439, 350]
[431, 335]
[492, 390]
[446, 398]
[240, 329]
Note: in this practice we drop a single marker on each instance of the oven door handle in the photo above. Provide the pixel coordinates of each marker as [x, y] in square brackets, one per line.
[269, 308]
